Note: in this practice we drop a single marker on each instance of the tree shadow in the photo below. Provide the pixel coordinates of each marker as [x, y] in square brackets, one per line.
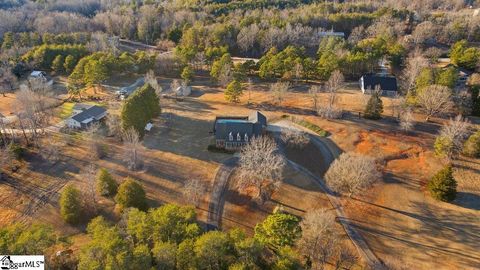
[467, 200]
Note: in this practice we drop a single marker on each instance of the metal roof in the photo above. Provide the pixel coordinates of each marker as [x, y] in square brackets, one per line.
[388, 83]
[92, 112]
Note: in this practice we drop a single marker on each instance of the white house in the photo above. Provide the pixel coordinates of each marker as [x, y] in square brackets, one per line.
[86, 117]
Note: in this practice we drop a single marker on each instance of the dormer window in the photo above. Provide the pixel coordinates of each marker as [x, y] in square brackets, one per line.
[239, 138]
[230, 136]
[246, 137]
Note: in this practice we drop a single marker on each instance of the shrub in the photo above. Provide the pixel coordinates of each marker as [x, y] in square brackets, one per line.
[106, 185]
[70, 204]
[443, 186]
[312, 127]
[471, 148]
[131, 194]
[443, 146]
[16, 150]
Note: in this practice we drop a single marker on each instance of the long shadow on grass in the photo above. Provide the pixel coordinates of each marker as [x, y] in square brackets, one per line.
[427, 227]
[468, 200]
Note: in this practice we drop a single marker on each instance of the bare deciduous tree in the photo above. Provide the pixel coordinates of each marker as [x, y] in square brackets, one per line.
[345, 258]
[226, 75]
[52, 149]
[7, 80]
[153, 82]
[249, 89]
[435, 99]
[414, 65]
[193, 191]
[33, 104]
[334, 83]
[114, 127]
[279, 90]
[90, 198]
[92, 137]
[260, 166]
[455, 131]
[246, 37]
[313, 93]
[424, 32]
[319, 239]
[295, 138]
[397, 105]
[131, 141]
[6, 158]
[406, 120]
[351, 173]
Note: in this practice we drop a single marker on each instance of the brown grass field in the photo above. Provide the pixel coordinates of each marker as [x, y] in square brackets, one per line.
[398, 218]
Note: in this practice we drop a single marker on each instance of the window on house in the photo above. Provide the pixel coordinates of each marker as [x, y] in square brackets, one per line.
[239, 138]
[246, 137]
[230, 136]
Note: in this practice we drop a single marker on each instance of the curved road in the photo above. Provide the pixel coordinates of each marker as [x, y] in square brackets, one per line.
[330, 151]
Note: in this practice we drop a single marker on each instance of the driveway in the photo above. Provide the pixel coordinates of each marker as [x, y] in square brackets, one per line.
[329, 151]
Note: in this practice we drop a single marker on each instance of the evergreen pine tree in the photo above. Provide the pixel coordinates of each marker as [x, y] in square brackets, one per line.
[233, 91]
[70, 204]
[443, 186]
[374, 107]
[57, 64]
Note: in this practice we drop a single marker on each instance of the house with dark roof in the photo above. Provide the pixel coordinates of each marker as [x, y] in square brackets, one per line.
[85, 116]
[233, 132]
[388, 84]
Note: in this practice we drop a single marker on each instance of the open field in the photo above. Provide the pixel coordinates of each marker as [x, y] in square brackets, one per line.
[7, 104]
[399, 220]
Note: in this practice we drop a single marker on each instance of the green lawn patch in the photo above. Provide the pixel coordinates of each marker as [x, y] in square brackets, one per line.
[66, 109]
[312, 127]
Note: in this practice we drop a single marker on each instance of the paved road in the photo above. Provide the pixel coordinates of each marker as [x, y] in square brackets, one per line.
[217, 198]
[330, 151]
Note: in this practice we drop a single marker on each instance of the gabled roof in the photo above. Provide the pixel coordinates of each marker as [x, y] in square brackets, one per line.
[93, 112]
[257, 116]
[250, 126]
[388, 83]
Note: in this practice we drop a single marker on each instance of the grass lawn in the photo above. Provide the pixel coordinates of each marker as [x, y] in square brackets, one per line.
[66, 110]
[312, 127]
